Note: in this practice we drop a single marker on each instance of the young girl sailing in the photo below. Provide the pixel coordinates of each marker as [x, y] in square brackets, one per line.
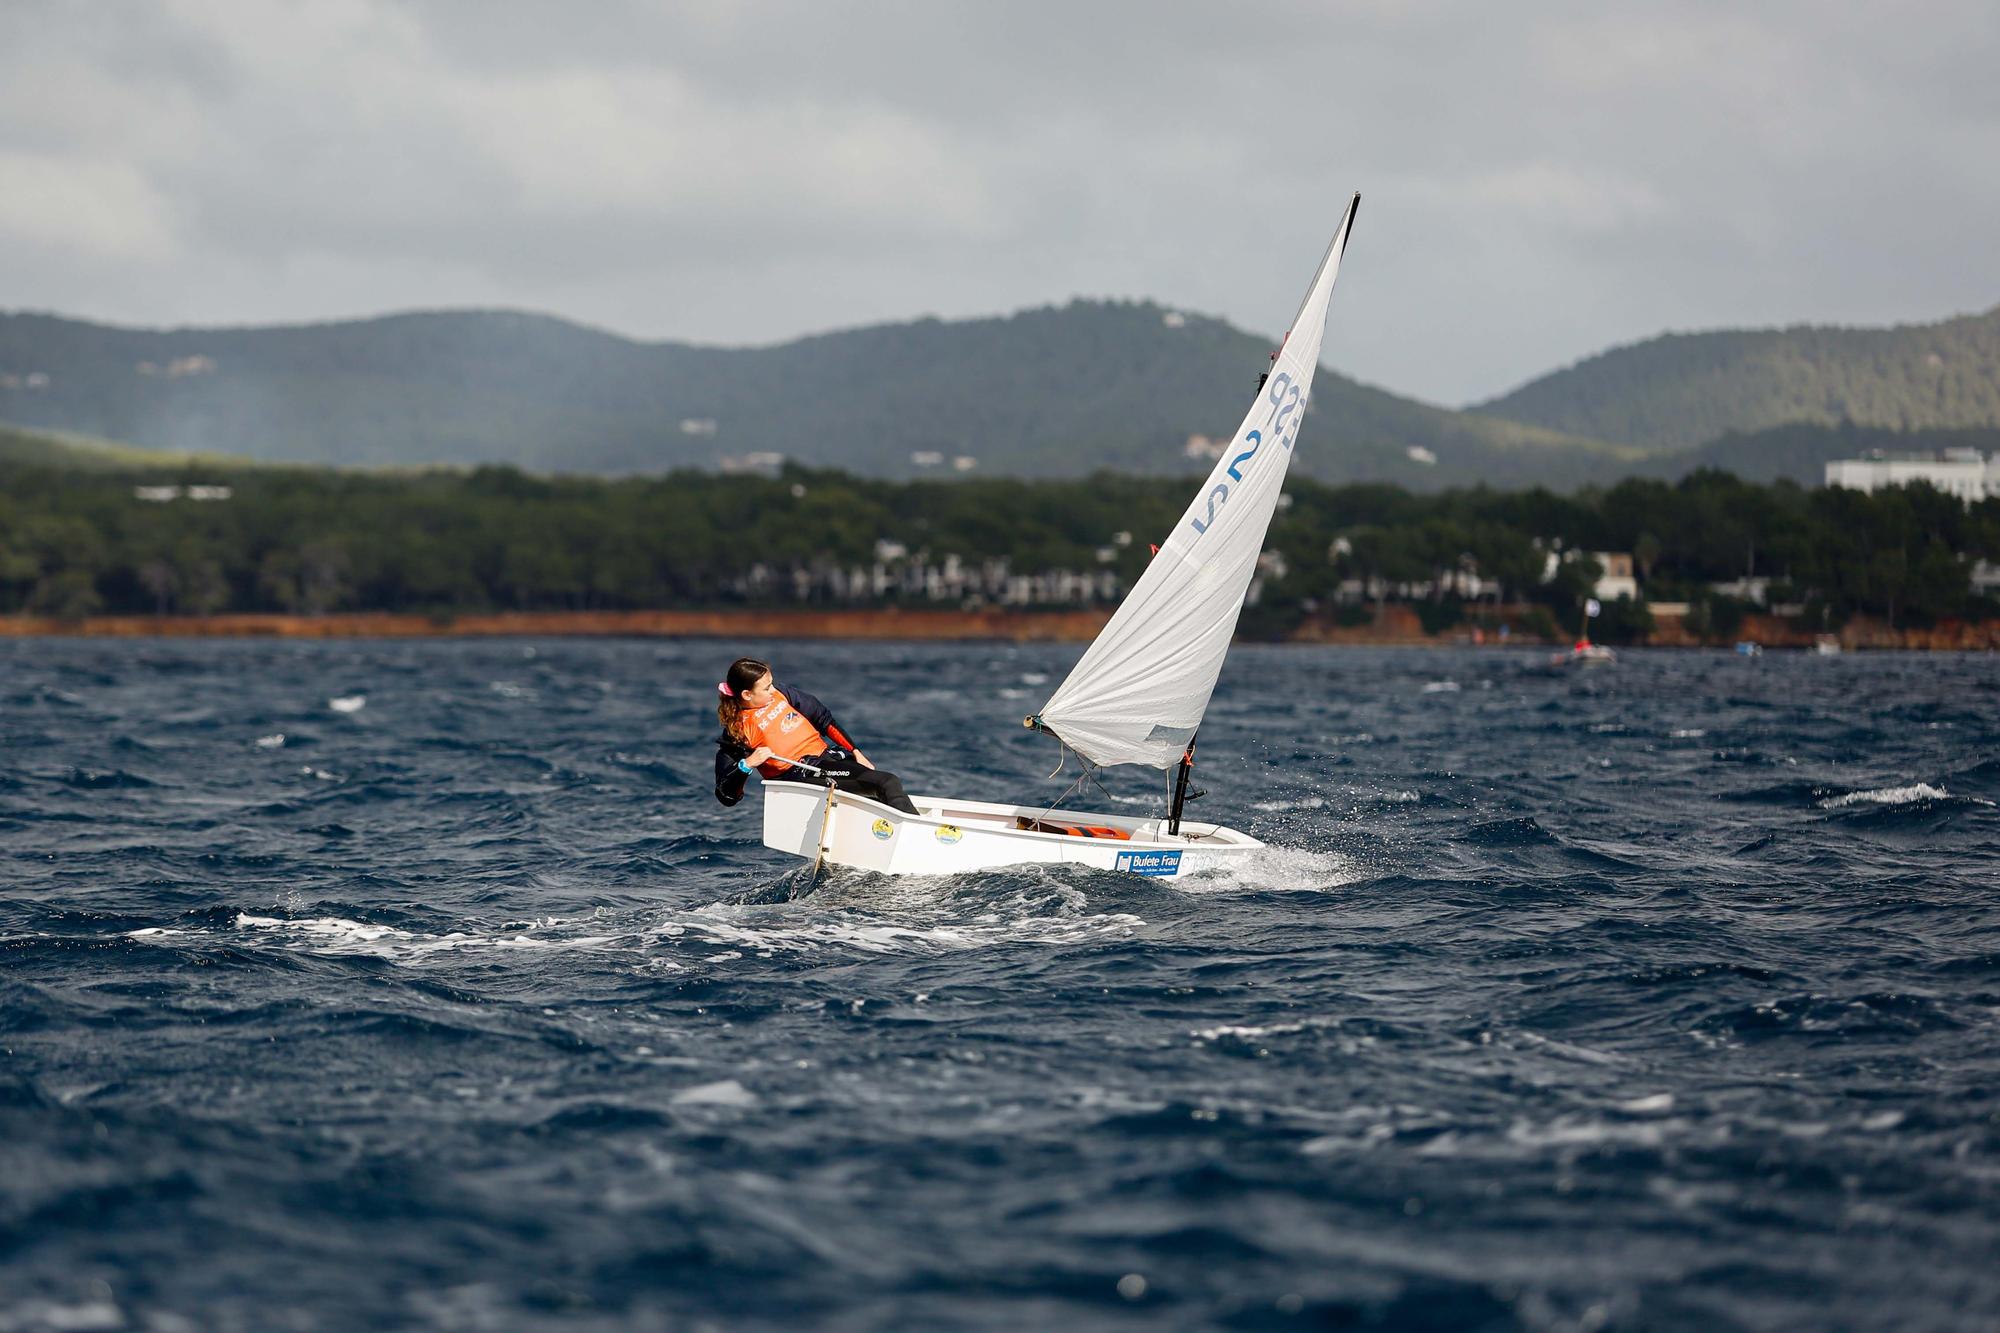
[787, 735]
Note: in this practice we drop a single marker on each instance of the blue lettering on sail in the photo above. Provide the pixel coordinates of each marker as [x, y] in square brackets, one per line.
[1282, 420]
[1150, 863]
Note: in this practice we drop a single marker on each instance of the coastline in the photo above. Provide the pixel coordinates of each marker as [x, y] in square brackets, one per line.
[847, 623]
[1396, 625]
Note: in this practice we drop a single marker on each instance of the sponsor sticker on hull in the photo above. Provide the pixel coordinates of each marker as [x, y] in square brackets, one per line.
[1150, 863]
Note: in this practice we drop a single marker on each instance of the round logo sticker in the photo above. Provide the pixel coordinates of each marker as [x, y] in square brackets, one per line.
[949, 833]
[882, 829]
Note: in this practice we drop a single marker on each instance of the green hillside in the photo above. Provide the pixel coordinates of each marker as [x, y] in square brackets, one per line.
[1685, 389]
[1060, 391]
[52, 449]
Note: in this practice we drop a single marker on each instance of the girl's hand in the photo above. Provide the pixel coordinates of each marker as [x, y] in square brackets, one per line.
[862, 759]
[758, 756]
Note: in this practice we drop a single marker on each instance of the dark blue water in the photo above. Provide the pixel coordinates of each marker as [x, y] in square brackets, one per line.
[1653, 997]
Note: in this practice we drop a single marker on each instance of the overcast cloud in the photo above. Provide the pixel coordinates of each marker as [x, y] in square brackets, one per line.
[1539, 181]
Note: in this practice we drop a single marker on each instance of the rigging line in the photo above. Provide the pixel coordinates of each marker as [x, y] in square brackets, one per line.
[1087, 767]
[1050, 807]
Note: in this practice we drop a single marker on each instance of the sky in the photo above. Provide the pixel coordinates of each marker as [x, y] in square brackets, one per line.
[1539, 181]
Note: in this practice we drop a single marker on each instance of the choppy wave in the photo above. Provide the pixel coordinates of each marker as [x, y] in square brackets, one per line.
[1917, 791]
[1655, 998]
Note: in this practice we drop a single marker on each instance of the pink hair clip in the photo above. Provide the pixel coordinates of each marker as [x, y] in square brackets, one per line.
[723, 686]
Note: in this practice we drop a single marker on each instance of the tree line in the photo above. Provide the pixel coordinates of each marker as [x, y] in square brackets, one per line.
[310, 541]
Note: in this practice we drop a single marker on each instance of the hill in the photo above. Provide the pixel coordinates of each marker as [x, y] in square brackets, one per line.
[1060, 391]
[52, 449]
[1684, 389]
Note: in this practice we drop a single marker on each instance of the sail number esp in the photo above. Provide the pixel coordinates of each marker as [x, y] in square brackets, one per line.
[1282, 421]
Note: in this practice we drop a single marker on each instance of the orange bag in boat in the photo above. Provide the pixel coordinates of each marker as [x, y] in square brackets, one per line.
[1075, 830]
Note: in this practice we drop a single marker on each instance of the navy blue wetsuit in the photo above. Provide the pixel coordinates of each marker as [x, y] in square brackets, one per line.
[837, 762]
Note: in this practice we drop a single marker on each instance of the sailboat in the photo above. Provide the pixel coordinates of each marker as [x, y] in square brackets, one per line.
[1583, 652]
[1139, 692]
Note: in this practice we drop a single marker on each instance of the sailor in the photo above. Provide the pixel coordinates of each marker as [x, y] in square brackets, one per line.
[788, 736]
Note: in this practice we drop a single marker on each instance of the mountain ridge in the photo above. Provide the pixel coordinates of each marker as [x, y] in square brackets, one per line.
[1680, 390]
[1050, 390]
[1054, 390]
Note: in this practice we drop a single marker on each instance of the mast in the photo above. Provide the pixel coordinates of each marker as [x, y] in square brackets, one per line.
[1181, 792]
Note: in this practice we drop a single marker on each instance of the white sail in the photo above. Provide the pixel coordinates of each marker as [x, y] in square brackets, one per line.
[1141, 689]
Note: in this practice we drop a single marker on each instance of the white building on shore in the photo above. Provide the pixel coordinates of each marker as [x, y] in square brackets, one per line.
[1965, 473]
[1614, 582]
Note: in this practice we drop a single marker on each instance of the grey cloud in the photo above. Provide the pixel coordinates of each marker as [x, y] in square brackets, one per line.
[1539, 184]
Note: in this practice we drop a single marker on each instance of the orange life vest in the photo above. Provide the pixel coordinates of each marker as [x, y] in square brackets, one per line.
[785, 730]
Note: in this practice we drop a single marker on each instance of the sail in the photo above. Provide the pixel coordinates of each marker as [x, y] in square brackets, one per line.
[1141, 689]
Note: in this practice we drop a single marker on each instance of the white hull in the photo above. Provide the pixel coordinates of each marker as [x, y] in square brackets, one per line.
[951, 837]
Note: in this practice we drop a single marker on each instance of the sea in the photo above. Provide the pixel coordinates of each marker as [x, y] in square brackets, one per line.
[425, 984]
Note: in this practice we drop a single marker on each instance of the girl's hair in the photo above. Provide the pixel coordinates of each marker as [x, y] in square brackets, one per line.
[744, 673]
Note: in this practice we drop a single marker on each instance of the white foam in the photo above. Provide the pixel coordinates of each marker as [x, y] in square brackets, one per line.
[1686, 733]
[86, 1317]
[1659, 1101]
[275, 741]
[1328, 1144]
[1565, 1132]
[1585, 1054]
[1920, 791]
[323, 928]
[1440, 687]
[1029, 922]
[340, 937]
[727, 1092]
[1244, 1033]
[909, 922]
[1273, 869]
[1321, 802]
[348, 703]
[1302, 803]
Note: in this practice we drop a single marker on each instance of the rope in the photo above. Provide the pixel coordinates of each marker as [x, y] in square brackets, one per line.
[1050, 807]
[1088, 773]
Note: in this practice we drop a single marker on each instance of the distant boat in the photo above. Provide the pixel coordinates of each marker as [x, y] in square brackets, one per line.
[1140, 691]
[1746, 648]
[1827, 645]
[1582, 654]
